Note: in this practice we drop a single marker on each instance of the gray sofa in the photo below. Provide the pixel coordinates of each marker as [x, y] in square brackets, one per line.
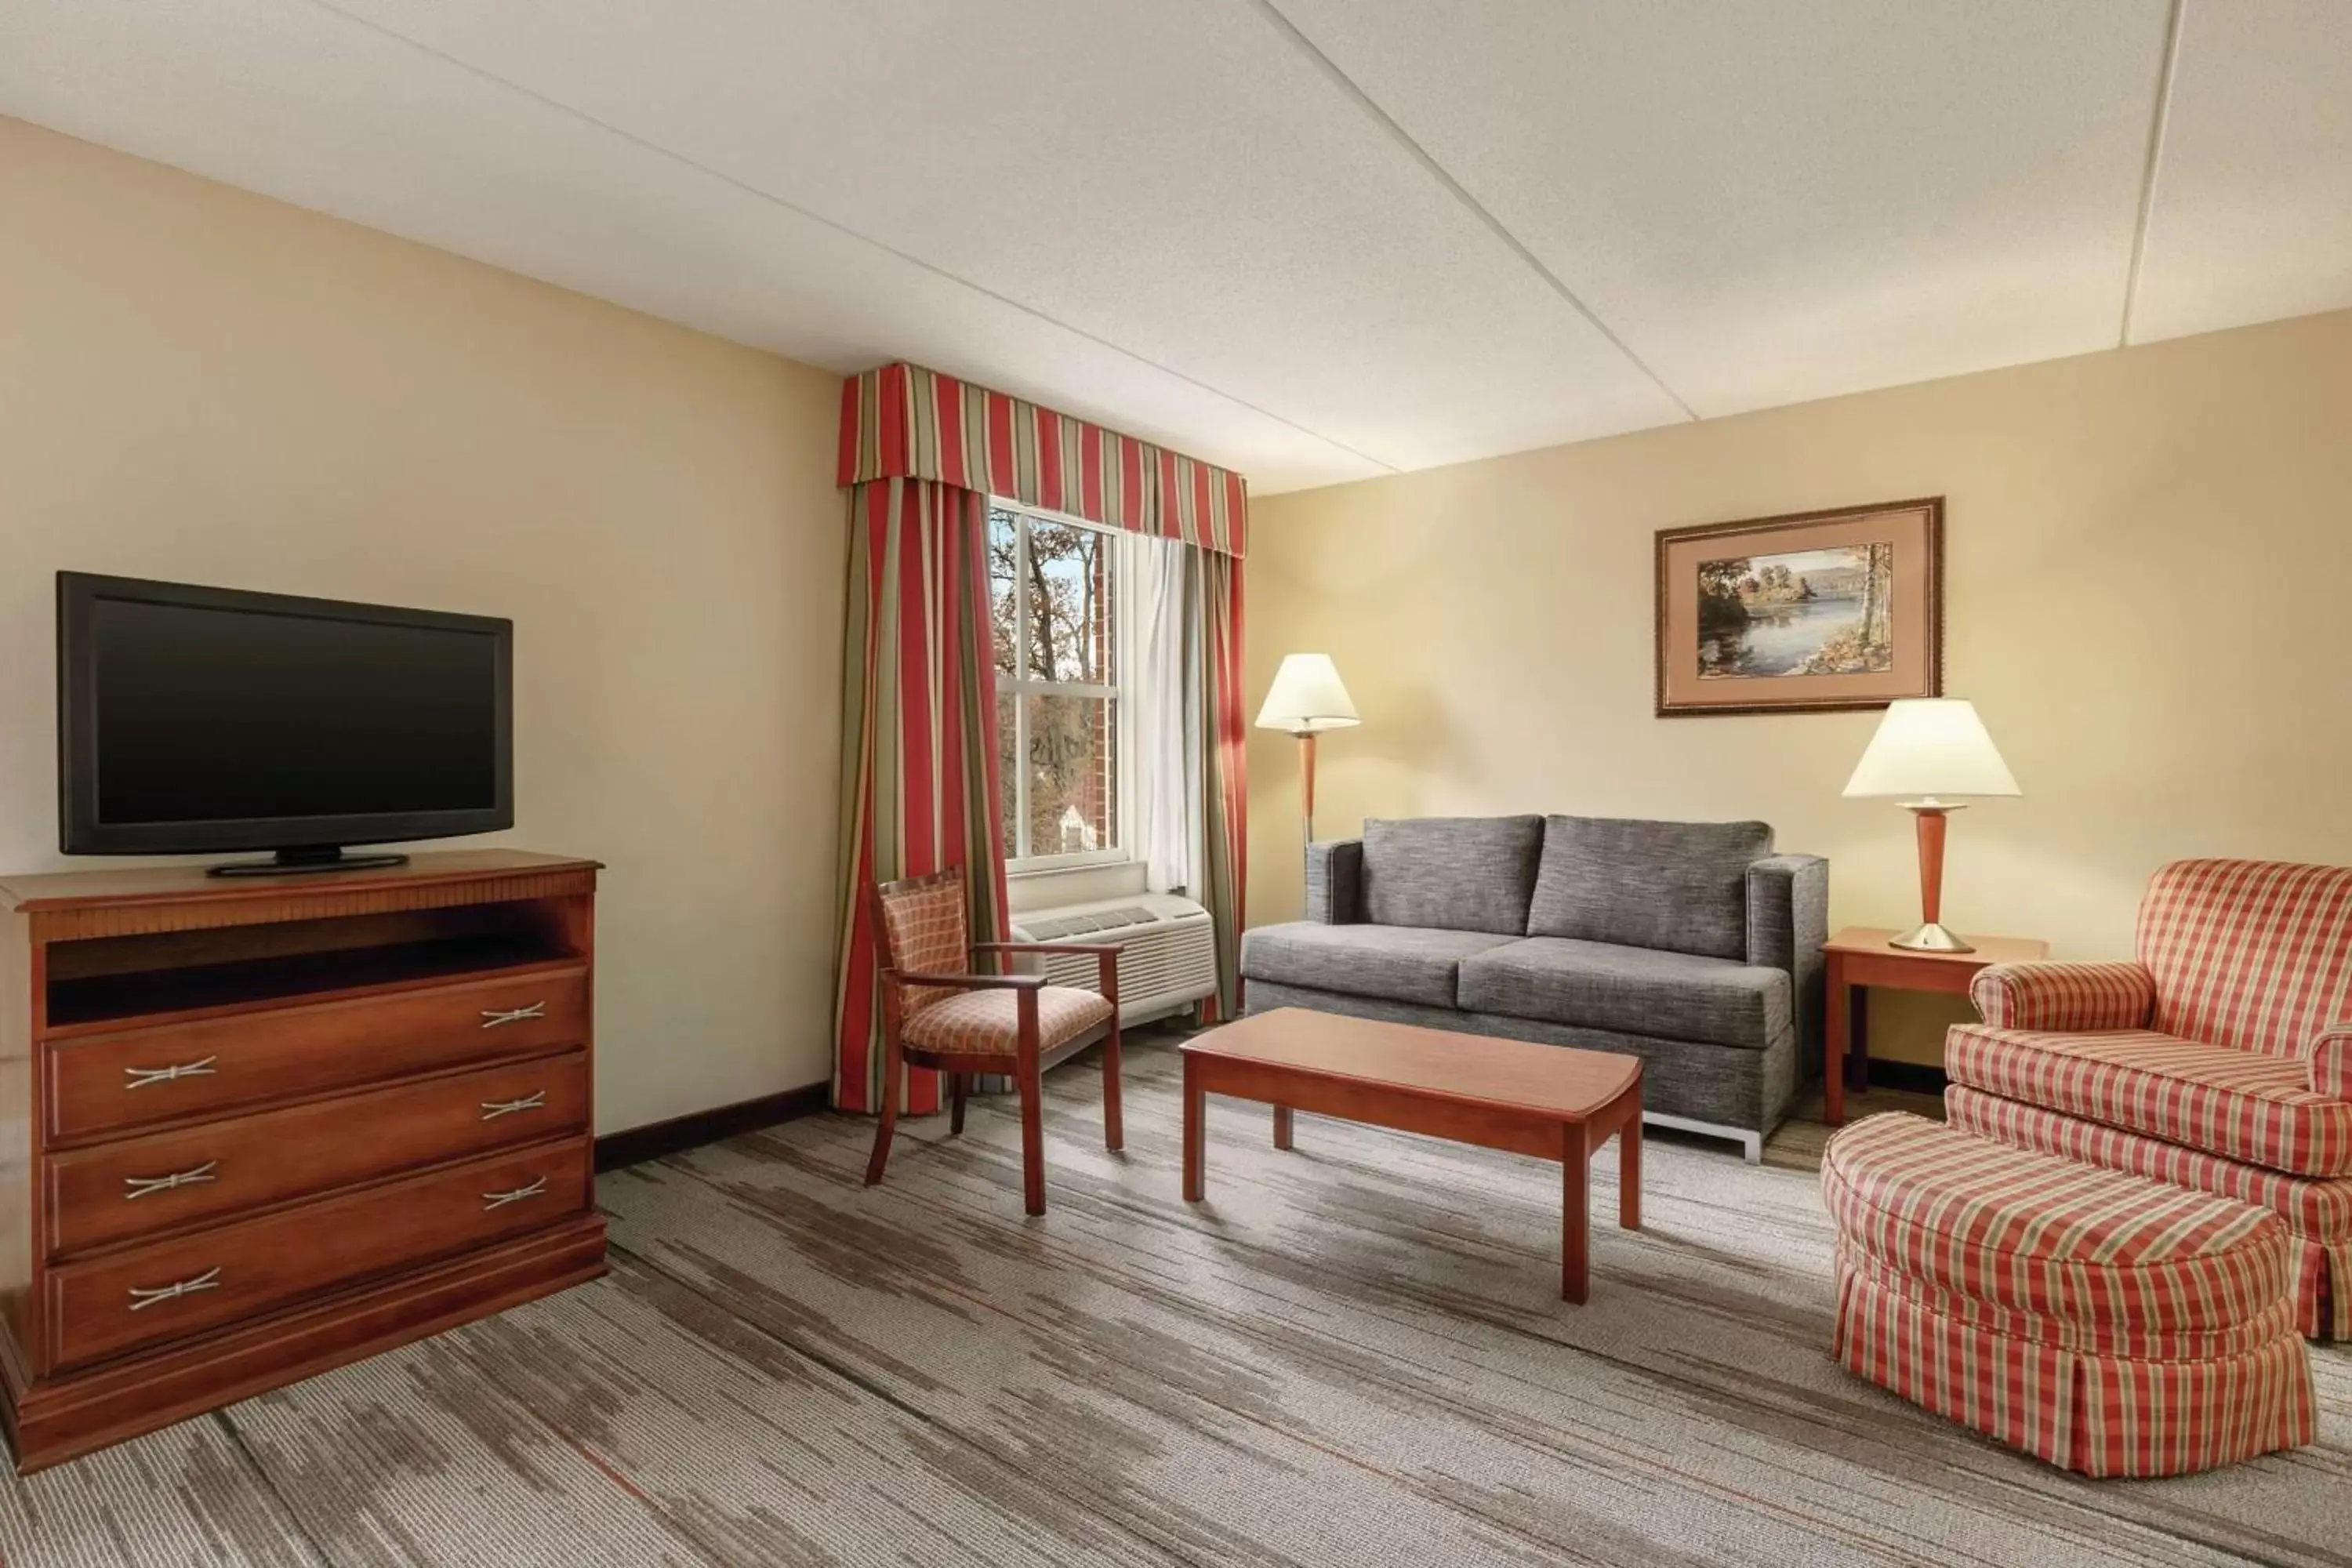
[1688, 944]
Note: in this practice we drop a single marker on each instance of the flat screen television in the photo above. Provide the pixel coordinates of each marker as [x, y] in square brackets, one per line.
[194, 720]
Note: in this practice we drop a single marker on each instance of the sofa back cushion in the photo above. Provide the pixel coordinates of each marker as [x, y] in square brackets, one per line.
[2250, 953]
[1679, 886]
[1455, 873]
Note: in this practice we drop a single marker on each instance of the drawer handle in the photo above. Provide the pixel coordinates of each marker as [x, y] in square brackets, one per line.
[501, 1200]
[494, 1109]
[140, 1186]
[142, 1077]
[142, 1300]
[493, 1016]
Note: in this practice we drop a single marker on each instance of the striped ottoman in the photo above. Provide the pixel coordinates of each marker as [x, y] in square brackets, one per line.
[2104, 1322]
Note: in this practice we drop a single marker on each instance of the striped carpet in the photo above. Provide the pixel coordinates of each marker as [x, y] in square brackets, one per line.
[1352, 1355]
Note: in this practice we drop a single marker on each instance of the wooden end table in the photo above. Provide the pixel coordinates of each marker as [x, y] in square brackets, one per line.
[1859, 957]
[1551, 1101]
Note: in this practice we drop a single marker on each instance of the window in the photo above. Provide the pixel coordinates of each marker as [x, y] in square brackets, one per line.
[1054, 601]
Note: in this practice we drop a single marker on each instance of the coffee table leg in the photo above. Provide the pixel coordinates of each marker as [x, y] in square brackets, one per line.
[1574, 1220]
[1629, 1171]
[1282, 1127]
[1196, 1116]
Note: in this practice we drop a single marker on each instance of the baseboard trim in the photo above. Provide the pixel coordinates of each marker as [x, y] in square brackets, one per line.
[634, 1145]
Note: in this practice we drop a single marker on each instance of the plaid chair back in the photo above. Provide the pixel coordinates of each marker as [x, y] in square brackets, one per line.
[923, 933]
[2251, 953]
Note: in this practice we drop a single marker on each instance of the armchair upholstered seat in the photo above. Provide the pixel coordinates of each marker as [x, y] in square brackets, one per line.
[2216, 1060]
[984, 1023]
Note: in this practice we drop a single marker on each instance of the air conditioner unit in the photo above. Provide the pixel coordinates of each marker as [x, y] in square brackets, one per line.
[1169, 962]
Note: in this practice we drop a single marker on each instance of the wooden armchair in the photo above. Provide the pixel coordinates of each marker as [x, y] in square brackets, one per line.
[937, 1012]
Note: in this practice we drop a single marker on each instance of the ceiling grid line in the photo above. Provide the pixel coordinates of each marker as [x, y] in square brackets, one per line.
[786, 204]
[1438, 172]
[2158, 120]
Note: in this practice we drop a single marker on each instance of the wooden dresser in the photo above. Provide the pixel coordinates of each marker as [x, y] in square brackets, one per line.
[254, 1128]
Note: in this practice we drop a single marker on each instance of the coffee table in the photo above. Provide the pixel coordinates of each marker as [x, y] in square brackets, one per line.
[1550, 1101]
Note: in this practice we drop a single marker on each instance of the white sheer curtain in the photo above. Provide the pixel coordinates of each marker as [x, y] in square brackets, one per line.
[1165, 694]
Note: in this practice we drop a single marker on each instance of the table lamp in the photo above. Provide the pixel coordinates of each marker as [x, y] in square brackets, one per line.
[1306, 699]
[1931, 747]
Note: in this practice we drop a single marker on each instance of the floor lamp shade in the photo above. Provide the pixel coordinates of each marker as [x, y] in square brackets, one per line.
[1307, 698]
[1931, 748]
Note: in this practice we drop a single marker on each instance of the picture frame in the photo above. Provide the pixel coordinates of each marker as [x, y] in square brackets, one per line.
[1814, 612]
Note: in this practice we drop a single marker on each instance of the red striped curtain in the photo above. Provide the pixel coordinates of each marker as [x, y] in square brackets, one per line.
[919, 745]
[921, 455]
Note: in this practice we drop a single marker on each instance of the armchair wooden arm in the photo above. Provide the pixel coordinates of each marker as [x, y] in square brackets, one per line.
[1113, 948]
[969, 981]
[1106, 958]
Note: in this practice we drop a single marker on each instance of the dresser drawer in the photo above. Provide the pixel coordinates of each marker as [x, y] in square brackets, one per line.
[132, 1187]
[105, 1083]
[165, 1289]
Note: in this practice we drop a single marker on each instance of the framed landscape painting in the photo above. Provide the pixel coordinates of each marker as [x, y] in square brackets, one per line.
[1817, 612]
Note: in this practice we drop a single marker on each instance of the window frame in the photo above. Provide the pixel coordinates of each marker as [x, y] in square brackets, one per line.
[1015, 789]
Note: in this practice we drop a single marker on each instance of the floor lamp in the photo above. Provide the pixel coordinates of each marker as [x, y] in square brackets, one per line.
[1931, 747]
[1306, 698]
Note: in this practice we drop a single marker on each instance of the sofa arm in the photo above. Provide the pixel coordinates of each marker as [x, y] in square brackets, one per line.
[2071, 996]
[2329, 1058]
[1335, 882]
[1788, 924]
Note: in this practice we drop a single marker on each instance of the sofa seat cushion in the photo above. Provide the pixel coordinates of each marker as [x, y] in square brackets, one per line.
[2239, 1104]
[1631, 990]
[1397, 963]
[1452, 873]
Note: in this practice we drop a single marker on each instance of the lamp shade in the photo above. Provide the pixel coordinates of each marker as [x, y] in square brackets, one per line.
[1931, 746]
[1306, 697]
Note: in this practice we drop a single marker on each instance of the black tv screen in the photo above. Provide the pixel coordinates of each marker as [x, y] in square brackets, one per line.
[198, 718]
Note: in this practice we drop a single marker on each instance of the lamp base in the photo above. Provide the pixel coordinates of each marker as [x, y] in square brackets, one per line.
[1933, 937]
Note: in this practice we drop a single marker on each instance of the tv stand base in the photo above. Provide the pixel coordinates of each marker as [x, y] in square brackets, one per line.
[300, 862]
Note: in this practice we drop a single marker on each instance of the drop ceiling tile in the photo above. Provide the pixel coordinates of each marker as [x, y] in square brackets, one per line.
[1170, 218]
[1179, 180]
[2253, 214]
[1774, 203]
[288, 100]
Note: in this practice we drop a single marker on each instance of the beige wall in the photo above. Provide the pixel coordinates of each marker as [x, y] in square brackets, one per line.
[202, 384]
[2149, 582]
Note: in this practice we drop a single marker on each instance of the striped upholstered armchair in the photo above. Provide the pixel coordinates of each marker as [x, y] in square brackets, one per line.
[2221, 1058]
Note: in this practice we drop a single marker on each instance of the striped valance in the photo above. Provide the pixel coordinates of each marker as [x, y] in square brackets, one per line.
[902, 421]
